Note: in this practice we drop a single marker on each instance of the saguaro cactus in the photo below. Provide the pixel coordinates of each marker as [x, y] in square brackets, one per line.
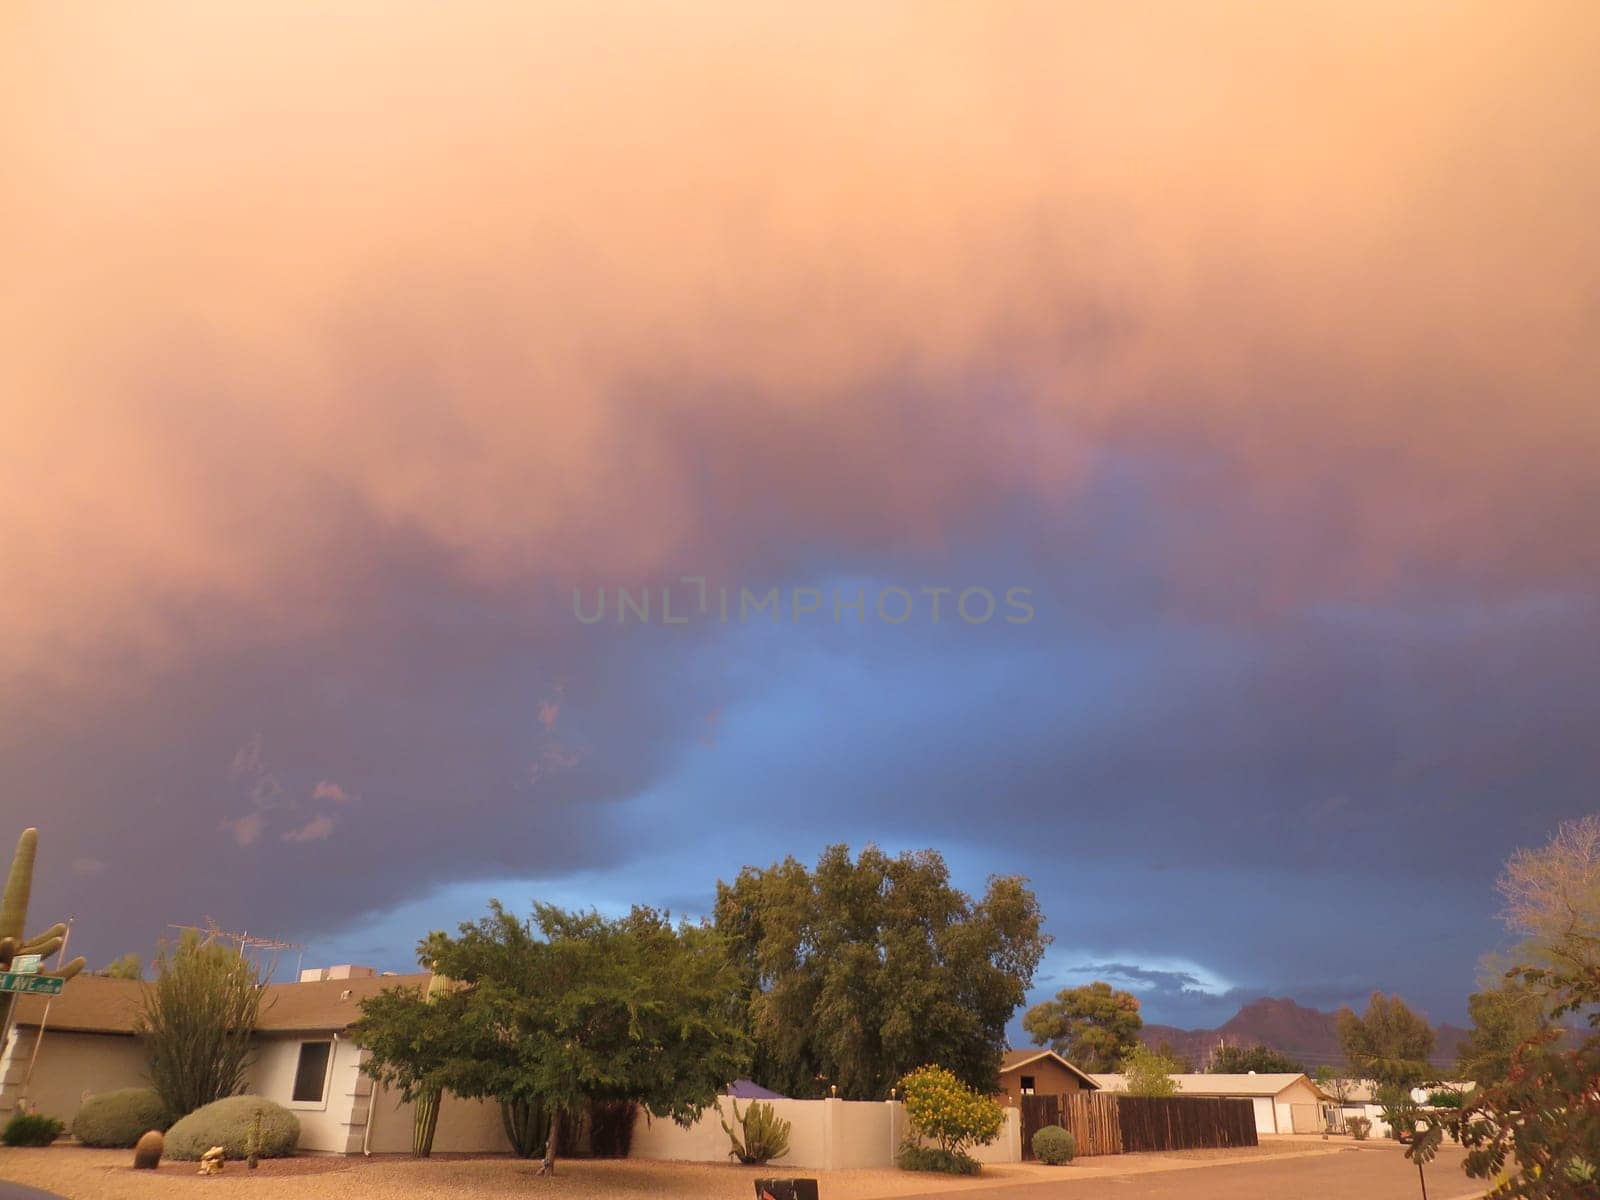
[13, 919]
[425, 1115]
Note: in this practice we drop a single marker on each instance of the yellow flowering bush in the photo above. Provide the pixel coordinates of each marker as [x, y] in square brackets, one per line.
[945, 1110]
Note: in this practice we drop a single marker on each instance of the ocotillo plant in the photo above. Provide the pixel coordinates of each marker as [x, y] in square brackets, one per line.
[13, 919]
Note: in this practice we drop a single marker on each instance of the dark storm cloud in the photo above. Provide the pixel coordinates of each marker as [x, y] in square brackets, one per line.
[318, 403]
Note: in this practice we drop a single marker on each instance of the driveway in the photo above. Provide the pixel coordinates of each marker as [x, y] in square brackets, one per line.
[1378, 1172]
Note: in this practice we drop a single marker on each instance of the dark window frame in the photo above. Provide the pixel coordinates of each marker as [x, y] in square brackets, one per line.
[301, 1080]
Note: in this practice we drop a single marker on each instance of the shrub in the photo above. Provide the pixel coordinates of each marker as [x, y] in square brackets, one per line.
[118, 1119]
[31, 1129]
[913, 1157]
[762, 1136]
[227, 1123]
[946, 1110]
[1358, 1127]
[1445, 1098]
[1054, 1145]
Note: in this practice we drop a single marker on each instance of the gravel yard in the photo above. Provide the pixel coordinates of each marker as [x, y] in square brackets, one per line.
[82, 1174]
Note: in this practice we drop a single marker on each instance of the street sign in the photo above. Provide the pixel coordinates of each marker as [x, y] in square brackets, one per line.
[25, 964]
[39, 985]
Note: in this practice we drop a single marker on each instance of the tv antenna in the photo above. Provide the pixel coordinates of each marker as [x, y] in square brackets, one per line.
[211, 934]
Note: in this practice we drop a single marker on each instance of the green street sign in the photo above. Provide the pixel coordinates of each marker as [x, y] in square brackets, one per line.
[39, 985]
[25, 964]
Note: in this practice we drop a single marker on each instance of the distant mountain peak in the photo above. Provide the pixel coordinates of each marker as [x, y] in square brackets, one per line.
[1279, 1023]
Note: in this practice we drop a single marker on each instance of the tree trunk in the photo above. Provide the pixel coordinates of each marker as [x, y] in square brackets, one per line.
[548, 1166]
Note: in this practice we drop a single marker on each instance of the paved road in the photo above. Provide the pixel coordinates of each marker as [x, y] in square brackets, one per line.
[15, 1191]
[1375, 1173]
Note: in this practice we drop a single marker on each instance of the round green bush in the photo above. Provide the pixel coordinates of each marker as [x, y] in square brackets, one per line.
[119, 1119]
[226, 1123]
[1054, 1145]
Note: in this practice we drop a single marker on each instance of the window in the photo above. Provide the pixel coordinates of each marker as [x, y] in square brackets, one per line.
[1027, 1085]
[311, 1076]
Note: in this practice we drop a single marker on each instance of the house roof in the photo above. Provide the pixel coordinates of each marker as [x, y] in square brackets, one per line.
[94, 1004]
[87, 1004]
[1015, 1060]
[747, 1089]
[1223, 1085]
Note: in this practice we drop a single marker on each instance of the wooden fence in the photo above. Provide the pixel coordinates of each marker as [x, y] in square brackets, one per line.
[1185, 1122]
[1112, 1123]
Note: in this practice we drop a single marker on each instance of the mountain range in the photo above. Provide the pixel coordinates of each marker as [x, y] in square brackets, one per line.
[1308, 1035]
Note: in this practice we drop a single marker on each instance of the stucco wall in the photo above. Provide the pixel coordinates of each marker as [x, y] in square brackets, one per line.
[465, 1126]
[325, 1125]
[824, 1135]
[1266, 1114]
[70, 1067]
[1007, 1148]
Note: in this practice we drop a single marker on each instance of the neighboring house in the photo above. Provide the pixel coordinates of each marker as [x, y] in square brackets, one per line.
[303, 1060]
[1039, 1073]
[1361, 1100]
[1284, 1103]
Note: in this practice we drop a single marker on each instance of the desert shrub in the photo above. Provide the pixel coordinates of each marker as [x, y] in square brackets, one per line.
[1358, 1127]
[762, 1134]
[611, 1127]
[945, 1110]
[1054, 1145]
[227, 1123]
[913, 1157]
[118, 1119]
[31, 1129]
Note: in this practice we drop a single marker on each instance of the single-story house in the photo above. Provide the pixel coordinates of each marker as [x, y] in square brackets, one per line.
[63, 1049]
[1284, 1103]
[1360, 1099]
[1039, 1073]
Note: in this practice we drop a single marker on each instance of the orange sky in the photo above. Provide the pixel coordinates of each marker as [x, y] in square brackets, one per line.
[472, 270]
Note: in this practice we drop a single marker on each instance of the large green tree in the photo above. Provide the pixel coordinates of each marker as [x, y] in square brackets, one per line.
[1094, 1026]
[1388, 1043]
[1503, 1017]
[567, 1008]
[867, 968]
[1241, 1060]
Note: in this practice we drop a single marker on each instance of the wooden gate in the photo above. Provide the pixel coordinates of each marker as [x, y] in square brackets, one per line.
[1037, 1112]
